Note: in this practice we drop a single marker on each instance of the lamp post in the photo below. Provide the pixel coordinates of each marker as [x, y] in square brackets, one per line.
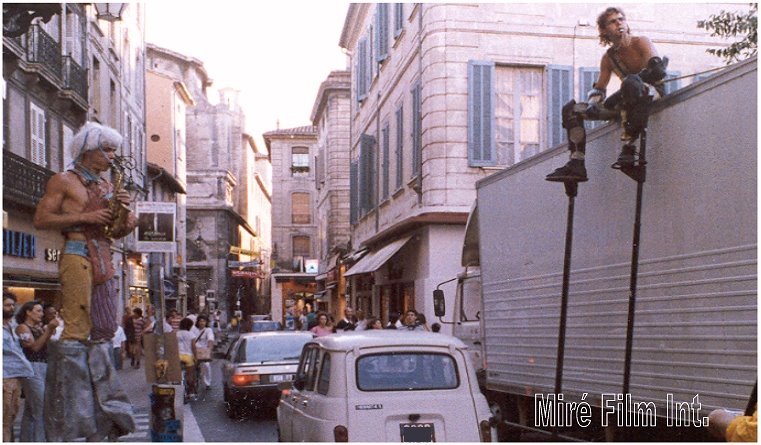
[110, 12]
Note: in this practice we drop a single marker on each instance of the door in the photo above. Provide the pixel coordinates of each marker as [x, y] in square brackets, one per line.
[303, 388]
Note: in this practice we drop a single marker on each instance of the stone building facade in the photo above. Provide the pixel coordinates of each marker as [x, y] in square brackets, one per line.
[446, 94]
[330, 116]
[295, 238]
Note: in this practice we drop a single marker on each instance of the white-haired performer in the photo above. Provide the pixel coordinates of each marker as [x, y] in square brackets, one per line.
[76, 202]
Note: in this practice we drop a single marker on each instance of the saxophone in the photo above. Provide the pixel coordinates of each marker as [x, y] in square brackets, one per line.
[119, 212]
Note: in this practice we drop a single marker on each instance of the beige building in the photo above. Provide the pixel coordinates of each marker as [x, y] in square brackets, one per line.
[167, 102]
[295, 238]
[64, 69]
[444, 95]
[330, 115]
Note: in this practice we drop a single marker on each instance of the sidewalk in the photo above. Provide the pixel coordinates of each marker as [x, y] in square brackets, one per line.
[134, 385]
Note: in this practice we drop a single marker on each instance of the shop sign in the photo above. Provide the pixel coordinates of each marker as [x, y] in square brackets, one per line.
[19, 244]
[246, 274]
[235, 250]
[52, 255]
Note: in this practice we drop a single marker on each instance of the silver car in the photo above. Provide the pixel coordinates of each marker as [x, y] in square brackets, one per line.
[255, 363]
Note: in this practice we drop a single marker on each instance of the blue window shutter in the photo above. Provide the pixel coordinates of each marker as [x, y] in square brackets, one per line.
[399, 146]
[381, 32]
[398, 19]
[386, 152]
[366, 173]
[559, 92]
[481, 113]
[417, 129]
[353, 192]
[670, 87]
[587, 78]
[362, 70]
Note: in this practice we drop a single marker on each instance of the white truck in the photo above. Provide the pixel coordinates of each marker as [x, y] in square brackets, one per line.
[693, 336]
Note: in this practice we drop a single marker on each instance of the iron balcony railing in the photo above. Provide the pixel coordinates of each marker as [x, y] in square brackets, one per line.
[74, 77]
[24, 181]
[44, 50]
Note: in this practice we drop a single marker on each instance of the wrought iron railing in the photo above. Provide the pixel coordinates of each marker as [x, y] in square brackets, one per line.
[23, 181]
[43, 49]
[74, 77]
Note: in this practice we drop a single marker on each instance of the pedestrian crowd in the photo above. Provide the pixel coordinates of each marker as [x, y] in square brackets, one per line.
[321, 323]
[28, 330]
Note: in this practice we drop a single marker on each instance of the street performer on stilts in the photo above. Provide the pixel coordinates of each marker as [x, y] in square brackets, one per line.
[84, 397]
[635, 61]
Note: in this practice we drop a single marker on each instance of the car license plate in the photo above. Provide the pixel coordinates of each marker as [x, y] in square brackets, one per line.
[417, 432]
[275, 378]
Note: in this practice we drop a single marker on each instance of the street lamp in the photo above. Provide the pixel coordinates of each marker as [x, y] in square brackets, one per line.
[110, 12]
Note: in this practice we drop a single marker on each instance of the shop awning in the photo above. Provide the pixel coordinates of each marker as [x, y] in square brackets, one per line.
[375, 259]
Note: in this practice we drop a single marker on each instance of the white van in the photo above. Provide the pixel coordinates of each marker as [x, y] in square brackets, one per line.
[384, 386]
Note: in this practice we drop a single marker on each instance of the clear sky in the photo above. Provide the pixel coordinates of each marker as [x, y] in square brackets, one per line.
[276, 52]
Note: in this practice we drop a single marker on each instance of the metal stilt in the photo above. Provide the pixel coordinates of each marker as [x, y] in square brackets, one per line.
[638, 173]
[571, 189]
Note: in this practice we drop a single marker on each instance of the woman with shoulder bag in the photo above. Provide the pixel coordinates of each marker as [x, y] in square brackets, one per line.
[204, 345]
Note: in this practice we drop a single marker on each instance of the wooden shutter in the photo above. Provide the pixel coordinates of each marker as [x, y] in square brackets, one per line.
[481, 113]
[587, 78]
[417, 129]
[353, 192]
[381, 32]
[386, 147]
[559, 92]
[38, 153]
[399, 146]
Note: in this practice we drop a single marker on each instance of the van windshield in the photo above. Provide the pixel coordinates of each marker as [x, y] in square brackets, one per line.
[274, 348]
[406, 372]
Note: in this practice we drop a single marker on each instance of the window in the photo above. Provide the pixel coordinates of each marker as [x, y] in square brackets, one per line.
[299, 161]
[518, 112]
[398, 19]
[587, 78]
[399, 146]
[386, 149]
[300, 208]
[301, 246]
[306, 370]
[505, 111]
[367, 174]
[273, 348]
[38, 153]
[323, 384]
[406, 371]
[381, 32]
[417, 130]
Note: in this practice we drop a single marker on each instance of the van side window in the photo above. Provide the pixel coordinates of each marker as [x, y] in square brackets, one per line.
[323, 384]
[314, 366]
[306, 367]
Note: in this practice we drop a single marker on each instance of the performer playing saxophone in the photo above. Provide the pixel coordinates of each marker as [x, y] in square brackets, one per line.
[79, 202]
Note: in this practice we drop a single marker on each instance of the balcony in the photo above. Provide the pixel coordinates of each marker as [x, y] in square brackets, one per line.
[45, 52]
[75, 80]
[23, 181]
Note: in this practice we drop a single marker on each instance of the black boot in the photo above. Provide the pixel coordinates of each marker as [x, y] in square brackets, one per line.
[627, 158]
[573, 171]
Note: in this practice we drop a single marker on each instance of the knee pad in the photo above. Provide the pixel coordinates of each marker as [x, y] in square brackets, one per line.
[571, 119]
[632, 90]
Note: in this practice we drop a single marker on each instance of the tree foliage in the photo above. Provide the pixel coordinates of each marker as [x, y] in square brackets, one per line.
[734, 24]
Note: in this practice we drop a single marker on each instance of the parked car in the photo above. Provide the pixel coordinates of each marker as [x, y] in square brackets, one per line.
[255, 364]
[265, 325]
[384, 386]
